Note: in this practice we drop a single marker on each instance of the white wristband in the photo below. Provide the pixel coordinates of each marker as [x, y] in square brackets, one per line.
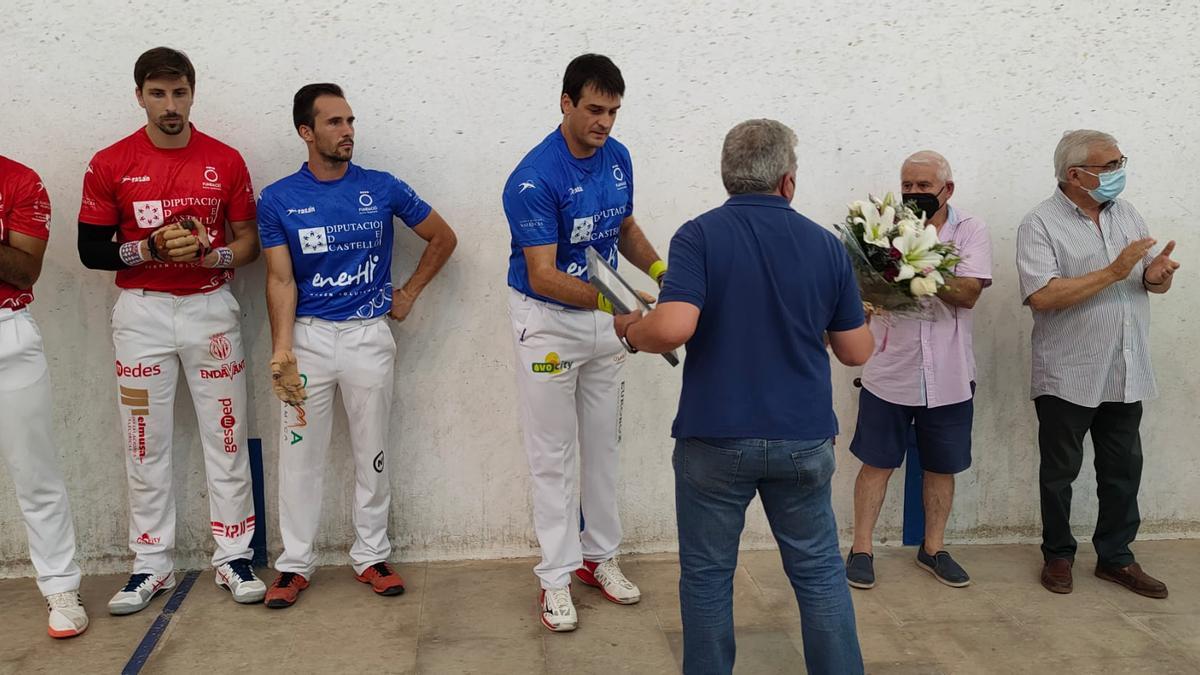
[131, 253]
[224, 257]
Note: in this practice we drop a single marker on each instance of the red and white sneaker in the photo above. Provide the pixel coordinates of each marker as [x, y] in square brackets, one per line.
[67, 617]
[383, 579]
[237, 577]
[558, 611]
[141, 589]
[608, 577]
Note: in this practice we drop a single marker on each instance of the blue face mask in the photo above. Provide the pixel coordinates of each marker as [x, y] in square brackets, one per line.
[1111, 185]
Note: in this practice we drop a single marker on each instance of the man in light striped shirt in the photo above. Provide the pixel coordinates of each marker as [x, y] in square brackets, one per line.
[1085, 265]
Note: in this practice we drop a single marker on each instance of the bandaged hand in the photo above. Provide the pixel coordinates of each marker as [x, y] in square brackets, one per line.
[178, 242]
[286, 381]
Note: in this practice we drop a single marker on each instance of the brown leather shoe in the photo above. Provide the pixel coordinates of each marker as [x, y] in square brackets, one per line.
[1132, 577]
[1056, 575]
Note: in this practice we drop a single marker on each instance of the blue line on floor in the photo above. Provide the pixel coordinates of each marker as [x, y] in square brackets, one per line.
[258, 542]
[134, 666]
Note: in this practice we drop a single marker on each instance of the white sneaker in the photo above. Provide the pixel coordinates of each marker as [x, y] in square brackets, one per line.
[237, 576]
[67, 617]
[608, 577]
[558, 612]
[141, 589]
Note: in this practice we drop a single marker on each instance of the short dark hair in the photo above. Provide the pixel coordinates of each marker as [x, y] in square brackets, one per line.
[304, 111]
[594, 69]
[163, 62]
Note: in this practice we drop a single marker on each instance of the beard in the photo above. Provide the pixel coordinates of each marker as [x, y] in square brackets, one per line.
[171, 126]
[338, 153]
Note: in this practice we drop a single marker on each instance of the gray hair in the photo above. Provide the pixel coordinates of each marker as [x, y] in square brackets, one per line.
[1074, 147]
[929, 157]
[757, 154]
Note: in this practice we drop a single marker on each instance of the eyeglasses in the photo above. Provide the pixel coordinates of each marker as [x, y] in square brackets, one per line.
[1111, 166]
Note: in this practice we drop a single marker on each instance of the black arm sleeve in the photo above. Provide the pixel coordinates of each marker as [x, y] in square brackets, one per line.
[97, 250]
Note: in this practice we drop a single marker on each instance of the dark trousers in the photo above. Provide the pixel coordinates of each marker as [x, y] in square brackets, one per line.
[1114, 427]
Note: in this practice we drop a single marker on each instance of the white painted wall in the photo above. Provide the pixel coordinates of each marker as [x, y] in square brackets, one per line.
[450, 96]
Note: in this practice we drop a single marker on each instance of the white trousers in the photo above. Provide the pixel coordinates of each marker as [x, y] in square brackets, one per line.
[31, 455]
[359, 358]
[568, 365]
[155, 335]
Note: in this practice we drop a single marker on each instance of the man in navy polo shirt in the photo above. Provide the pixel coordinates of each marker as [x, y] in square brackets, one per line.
[327, 234]
[574, 190]
[753, 289]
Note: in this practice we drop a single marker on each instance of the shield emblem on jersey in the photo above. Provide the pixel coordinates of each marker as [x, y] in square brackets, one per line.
[313, 240]
[149, 215]
[582, 229]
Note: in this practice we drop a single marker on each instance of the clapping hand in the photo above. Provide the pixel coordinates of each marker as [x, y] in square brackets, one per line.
[1159, 271]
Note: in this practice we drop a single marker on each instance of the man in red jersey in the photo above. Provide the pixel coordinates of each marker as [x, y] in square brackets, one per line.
[26, 445]
[165, 193]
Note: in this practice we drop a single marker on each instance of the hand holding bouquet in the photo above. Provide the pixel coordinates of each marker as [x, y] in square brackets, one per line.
[896, 255]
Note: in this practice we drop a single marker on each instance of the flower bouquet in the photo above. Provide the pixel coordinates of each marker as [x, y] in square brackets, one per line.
[897, 257]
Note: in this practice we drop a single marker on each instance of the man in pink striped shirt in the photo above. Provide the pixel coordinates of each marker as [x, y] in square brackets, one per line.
[922, 374]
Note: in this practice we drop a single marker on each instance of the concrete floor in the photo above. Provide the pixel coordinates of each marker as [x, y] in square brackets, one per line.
[478, 617]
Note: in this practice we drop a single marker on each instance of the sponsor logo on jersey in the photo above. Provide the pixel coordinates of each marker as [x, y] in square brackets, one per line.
[619, 177]
[228, 421]
[135, 179]
[578, 189]
[365, 274]
[149, 214]
[332, 237]
[17, 302]
[232, 530]
[138, 370]
[301, 212]
[552, 365]
[527, 185]
[219, 347]
[211, 179]
[313, 240]
[366, 203]
[226, 371]
[584, 229]
[578, 270]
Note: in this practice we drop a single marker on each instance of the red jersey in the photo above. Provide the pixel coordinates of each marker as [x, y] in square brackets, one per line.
[141, 187]
[24, 208]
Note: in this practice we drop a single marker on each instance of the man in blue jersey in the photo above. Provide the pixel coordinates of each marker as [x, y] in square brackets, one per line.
[574, 190]
[327, 232]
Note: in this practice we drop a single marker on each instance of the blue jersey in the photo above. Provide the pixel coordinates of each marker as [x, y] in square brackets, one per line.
[339, 234]
[554, 197]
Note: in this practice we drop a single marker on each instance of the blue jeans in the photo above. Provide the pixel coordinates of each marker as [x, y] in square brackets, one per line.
[715, 480]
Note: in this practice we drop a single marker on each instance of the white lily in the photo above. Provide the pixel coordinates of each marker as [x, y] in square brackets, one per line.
[908, 225]
[915, 254]
[877, 226]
